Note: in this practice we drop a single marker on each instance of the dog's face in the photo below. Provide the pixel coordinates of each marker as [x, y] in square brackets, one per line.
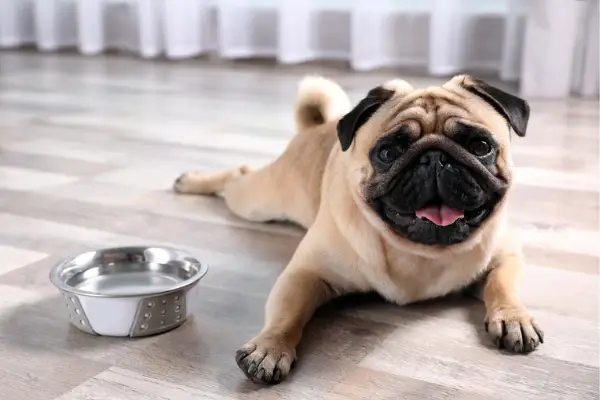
[433, 164]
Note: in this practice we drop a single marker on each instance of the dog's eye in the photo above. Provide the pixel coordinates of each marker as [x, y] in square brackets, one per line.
[479, 147]
[388, 155]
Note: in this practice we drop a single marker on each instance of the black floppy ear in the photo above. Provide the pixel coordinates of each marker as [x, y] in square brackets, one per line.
[514, 109]
[351, 122]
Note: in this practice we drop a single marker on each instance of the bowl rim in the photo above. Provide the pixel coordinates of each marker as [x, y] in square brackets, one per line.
[188, 283]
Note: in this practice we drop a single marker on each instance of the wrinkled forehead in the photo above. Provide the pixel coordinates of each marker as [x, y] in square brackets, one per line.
[434, 110]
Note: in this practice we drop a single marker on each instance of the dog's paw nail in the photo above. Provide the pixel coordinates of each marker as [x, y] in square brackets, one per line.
[531, 345]
[498, 342]
[252, 368]
[244, 352]
[277, 375]
[517, 348]
[538, 331]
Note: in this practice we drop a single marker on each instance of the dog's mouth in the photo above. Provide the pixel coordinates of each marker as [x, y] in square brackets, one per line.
[437, 213]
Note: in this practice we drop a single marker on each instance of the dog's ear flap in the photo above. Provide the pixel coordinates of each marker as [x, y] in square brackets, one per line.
[514, 109]
[349, 124]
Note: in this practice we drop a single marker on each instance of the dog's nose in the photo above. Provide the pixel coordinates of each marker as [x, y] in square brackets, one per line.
[435, 157]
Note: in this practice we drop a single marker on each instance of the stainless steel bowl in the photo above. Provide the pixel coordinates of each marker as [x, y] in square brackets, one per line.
[128, 291]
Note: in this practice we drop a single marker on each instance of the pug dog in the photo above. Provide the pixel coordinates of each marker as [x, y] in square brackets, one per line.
[404, 194]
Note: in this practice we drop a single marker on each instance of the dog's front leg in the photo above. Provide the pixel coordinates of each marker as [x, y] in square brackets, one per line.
[507, 320]
[298, 292]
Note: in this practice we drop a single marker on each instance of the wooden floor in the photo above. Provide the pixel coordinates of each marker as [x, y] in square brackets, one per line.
[89, 148]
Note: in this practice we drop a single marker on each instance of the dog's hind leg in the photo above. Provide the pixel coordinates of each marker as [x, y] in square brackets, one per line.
[254, 195]
[207, 183]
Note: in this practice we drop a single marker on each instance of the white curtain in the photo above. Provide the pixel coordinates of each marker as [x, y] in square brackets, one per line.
[550, 46]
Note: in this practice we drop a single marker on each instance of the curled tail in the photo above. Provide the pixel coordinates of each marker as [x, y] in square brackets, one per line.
[319, 100]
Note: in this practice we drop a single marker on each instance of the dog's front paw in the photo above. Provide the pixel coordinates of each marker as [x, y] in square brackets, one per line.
[514, 329]
[265, 360]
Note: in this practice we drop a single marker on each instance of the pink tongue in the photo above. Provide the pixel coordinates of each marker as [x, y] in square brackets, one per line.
[443, 215]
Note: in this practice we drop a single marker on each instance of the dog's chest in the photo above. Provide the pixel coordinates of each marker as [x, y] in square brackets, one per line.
[405, 279]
